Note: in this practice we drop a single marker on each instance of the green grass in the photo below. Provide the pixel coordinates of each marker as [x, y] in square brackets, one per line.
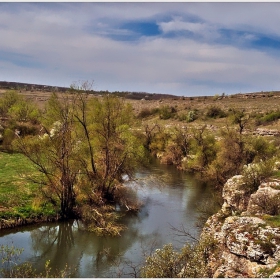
[17, 192]
[273, 221]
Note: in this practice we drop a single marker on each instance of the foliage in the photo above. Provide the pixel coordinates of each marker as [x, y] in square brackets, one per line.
[263, 119]
[12, 269]
[191, 116]
[259, 148]
[166, 112]
[267, 203]
[190, 262]
[177, 147]
[18, 108]
[150, 134]
[255, 173]
[203, 148]
[239, 117]
[158, 141]
[146, 112]
[102, 220]
[230, 157]
[87, 148]
[215, 112]
[54, 156]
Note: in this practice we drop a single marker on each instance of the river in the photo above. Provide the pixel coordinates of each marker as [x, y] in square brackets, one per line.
[172, 202]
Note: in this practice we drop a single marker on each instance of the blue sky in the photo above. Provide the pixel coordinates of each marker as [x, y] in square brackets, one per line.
[182, 48]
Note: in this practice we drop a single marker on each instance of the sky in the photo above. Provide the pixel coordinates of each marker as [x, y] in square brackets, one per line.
[181, 48]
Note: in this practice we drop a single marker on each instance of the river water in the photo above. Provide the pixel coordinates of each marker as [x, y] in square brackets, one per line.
[171, 202]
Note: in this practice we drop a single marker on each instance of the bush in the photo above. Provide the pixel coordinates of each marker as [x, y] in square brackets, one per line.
[188, 117]
[267, 203]
[10, 268]
[167, 112]
[215, 112]
[146, 112]
[267, 118]
[16, 107]
[229, 159]
[101, 220]
[190, 262]
[8, 137]
[259, 148]
[254, 174]
[203, 149]
[191, 116]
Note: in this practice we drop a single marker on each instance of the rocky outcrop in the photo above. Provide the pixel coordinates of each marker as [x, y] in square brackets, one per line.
[247, 244]
[266, 132]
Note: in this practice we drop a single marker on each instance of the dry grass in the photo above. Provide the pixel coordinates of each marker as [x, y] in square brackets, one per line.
[250, 103]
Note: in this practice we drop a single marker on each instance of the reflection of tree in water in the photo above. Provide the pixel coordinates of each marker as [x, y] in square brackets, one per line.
[52, 242]
[84, 252]
[94, 256]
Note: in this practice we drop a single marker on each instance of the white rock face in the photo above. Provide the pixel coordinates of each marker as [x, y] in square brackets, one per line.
[235, 194]
[247, 245]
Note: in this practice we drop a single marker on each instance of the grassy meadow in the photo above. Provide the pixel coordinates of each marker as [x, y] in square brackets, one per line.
[17, 192]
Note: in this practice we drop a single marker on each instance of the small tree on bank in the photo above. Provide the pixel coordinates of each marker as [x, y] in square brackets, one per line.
[87, 149]
[55, 156]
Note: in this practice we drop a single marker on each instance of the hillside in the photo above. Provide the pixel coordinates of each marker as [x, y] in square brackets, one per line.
[148, 105]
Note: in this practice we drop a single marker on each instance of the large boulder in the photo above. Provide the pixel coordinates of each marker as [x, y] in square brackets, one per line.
[247, 245]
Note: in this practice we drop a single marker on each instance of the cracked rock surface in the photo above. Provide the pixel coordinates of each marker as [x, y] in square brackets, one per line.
[247, 245]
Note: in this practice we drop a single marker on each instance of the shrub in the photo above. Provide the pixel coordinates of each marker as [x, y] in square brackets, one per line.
[102, 220]
[167, 112]
[229, 159]
[146, 112]
[8, 137]
[191, 116]
[203, 148]
[259, 148]
[188, 117]
[190, 262]
[254, 174]
[215, 112]
[9, 257]
[263, 119]
[269, 204]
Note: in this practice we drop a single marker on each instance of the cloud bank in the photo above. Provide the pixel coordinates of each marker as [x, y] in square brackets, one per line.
[175, 48]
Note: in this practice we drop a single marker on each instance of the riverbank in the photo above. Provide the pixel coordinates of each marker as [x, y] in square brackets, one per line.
[18, 222]
[169, 203]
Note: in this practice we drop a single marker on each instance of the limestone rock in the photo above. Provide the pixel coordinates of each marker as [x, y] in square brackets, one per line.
[235, 194]
[247, 246]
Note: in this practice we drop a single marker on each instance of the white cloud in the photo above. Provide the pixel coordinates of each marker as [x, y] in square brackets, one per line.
[70, 45]
[204, 30]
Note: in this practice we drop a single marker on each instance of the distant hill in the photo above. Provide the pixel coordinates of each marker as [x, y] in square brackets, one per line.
[128, 94]
[47, 88]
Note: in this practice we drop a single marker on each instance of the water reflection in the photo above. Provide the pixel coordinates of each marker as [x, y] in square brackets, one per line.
[171, 203]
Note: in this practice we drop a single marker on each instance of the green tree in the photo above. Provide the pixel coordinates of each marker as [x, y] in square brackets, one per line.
[16, 107]
[54, 154]
[114, 149]
[87, 148]
[203, 148]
